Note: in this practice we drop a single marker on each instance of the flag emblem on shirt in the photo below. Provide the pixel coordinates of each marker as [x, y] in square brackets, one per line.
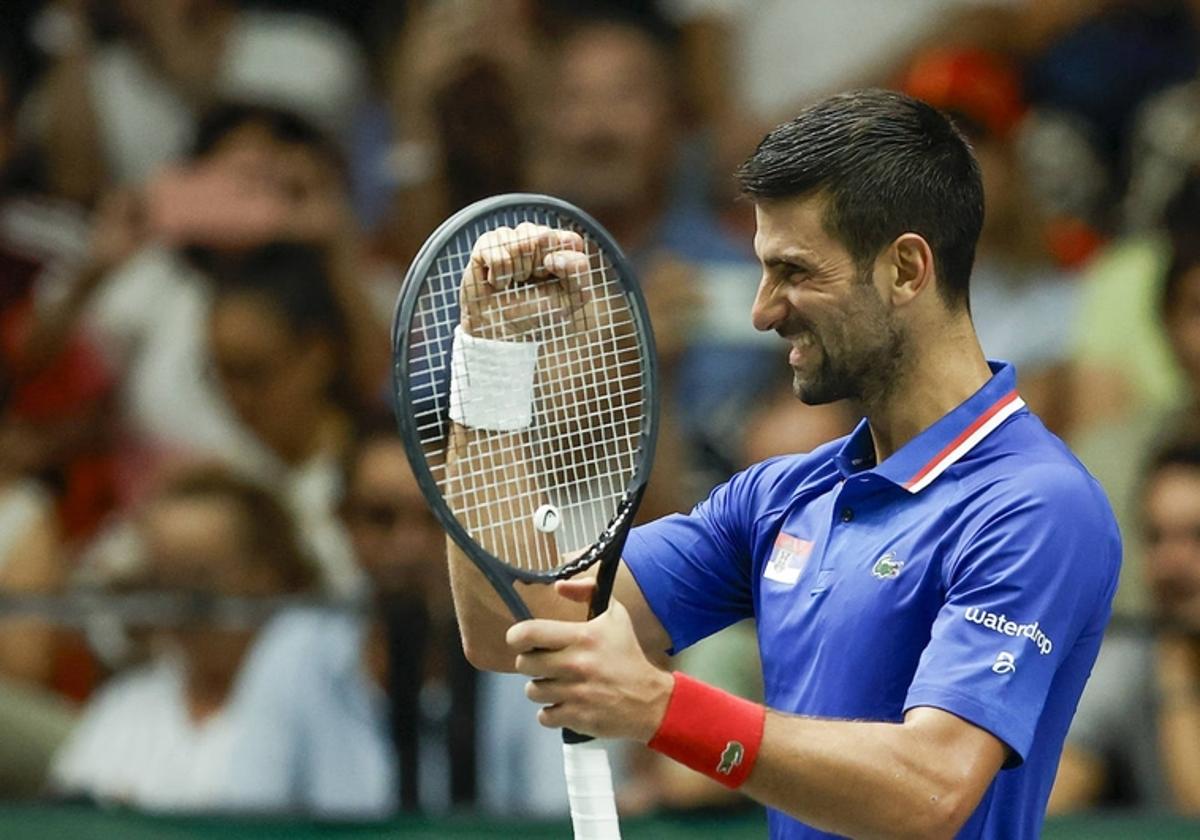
[788, 559]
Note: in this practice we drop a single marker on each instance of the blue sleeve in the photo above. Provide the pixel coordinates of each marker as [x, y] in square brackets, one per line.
[1037, 573]
[695, 570]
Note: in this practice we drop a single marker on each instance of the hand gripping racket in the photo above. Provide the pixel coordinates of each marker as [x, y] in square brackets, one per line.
[555, 491]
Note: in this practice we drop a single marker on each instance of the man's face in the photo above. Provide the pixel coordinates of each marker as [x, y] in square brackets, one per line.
[846, 342]
[396, 537]
[1171, 510]
[269, 375]
[199, 545]
[609, 127]
[1183, 326]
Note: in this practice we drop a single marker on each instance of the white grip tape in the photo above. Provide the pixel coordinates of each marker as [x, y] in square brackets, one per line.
[491, 382]
[590, 792]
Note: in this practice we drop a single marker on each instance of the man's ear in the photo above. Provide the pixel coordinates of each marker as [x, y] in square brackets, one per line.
[910, 264]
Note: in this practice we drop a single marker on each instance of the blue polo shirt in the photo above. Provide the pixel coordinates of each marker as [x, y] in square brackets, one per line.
[972, 571]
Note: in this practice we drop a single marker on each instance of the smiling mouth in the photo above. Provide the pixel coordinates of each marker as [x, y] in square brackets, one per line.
[802, 345]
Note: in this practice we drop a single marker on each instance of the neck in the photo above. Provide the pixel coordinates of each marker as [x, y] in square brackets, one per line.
[207, 694]
[938, 375]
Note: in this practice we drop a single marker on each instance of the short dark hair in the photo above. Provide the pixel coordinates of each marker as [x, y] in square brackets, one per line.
[890, 165]
[282, 125]
[294, 278]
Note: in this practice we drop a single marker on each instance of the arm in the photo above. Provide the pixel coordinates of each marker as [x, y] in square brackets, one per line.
[922, 777]
[483, 619]
[919, 778]
[498, 259]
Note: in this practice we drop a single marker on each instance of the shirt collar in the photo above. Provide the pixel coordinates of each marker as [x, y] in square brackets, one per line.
[916, 464]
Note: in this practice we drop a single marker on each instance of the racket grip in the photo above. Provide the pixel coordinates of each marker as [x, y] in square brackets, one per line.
[590, 791]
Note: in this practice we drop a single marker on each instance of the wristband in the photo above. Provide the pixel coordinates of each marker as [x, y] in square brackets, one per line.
[491, 382]
[710, 731]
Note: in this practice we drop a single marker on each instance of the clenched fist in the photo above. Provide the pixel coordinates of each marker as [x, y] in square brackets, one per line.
[524, 279]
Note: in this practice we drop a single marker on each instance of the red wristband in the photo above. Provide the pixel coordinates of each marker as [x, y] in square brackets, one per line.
[710, 731]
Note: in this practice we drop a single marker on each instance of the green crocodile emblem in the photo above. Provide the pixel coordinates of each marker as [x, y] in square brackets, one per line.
[887, 566]
[731, 757]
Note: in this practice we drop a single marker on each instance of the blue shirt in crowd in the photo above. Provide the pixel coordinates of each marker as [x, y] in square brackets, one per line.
[972, 571]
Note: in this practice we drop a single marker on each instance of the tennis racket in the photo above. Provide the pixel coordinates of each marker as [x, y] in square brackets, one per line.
[557, 495]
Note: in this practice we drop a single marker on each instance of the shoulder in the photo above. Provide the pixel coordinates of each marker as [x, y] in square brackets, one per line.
[127, 702]
[778, 479]
[1024, 485]
[307, 642]
[1025, 461]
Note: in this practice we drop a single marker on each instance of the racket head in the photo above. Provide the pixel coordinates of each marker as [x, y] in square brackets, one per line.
[427, 311]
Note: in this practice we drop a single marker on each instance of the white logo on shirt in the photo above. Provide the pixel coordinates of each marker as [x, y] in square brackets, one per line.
[1005, 663]
[1001, 624]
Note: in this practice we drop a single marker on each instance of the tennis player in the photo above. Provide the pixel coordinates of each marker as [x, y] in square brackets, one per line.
[930, 591]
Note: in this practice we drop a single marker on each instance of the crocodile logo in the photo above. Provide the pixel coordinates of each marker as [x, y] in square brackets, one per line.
[731, 757]
[887, 566]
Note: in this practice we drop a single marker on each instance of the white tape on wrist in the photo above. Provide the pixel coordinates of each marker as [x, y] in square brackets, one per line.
[491, 382]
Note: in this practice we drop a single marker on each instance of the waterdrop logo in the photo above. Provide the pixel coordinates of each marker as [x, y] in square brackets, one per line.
[1005, 663]
[1002, 624]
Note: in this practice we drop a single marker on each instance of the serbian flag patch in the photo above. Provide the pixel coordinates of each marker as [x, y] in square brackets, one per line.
[787, 559]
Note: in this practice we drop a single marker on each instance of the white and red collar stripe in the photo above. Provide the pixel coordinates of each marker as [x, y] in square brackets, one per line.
[983, 425]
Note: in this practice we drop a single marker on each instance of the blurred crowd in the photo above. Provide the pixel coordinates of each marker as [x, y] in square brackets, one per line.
[206, 209]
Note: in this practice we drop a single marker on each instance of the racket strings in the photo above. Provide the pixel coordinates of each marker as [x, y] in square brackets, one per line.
[588, 403]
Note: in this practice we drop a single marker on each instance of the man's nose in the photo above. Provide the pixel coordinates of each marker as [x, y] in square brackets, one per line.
[769, 308]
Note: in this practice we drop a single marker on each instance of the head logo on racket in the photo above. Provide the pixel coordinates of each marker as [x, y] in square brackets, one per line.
[547, 518]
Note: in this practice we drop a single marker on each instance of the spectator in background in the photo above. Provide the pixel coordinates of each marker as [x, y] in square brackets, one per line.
[112, 112]
[232, 716]
[1134, 740]
[34, 718]
[461, 82]
[1114, 450]
[279, 352]
[1099, 62]
[56, 476]
[1165, 147]
[53, 407]
[462, 738]
[1121, 358]
[1023, 304]
[259, 175]
[413, 650]
[609, 140]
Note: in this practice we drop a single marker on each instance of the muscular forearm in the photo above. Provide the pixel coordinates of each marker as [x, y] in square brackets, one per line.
[483, 617]
[866, 779]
